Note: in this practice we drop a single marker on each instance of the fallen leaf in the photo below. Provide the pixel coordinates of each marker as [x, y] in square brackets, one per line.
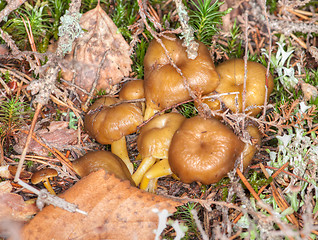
[116, 210]
[57, 135]
[13, 207]
[309, 91]
[100, 52]
[5, 186]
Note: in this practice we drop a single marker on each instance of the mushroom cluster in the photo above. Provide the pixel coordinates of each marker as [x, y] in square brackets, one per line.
[163, 84]
[193, 149]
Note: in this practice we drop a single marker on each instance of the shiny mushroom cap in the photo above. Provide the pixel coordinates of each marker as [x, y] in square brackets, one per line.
[203, 150]
[43, 175]
[155, 137]
[132, 90]
[232, 79]
[93, 161]
[163, 85]
[111, 123]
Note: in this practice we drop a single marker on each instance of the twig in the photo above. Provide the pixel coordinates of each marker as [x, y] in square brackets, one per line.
[2, 162]
[28, 140]
[97, 76]
[245, 67]
[280, 200]
[199, 225]
[259, 200]
[45, 198]
[263, 5]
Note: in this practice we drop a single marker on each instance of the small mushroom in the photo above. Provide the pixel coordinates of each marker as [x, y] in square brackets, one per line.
[164, 86]
[232, 80]
[93, 161]
[44, 175]
[203, 150]
[153, 143]
[109, 124]
[133, 90]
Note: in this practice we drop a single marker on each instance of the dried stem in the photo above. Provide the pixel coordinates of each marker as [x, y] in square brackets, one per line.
[27, 143]
[245, 66]
[263, 5]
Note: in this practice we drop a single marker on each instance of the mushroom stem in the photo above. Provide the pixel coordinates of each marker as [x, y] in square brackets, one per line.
[149, 112]
[144, 166]
[160, 169]
[48, 186]
[119, 148]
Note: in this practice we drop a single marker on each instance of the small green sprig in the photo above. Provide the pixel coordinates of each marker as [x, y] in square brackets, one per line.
[11, 112]
[38, 18]
[206, 18]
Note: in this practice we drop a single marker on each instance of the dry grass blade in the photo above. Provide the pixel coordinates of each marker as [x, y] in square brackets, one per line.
[280, 200]
[249, 187]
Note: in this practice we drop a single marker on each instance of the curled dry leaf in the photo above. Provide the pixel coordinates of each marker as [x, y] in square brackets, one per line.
[13, 207]
[116, 210]
[57, 135]
[5, 187]
[100, 53]
[13, 210]
[309, 91]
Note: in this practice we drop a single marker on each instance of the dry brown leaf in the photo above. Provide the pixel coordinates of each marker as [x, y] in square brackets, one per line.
[13, 207]
[101, 51]
[116, 210]
[56, 135]
[5, 186]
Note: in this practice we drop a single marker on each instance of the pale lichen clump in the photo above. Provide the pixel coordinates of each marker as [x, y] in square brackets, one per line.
[301, 151]
[70, 25]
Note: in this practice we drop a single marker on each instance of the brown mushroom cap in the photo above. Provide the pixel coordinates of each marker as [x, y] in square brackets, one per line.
[42, 175]
[111, 123]
[132, 90]
[163, 85]
[102, 102]
[203, 150]
[153, 142]
[155, 137]
[232, 79]
[94, 161]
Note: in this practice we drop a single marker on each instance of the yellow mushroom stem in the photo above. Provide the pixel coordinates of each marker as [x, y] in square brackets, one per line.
[160, 169]
[119, 148]
[144, 166]
[149, 112]
[143, 108]
[48, 186]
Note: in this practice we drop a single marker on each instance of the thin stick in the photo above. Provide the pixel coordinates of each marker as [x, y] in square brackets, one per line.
[2, 162]
[279, 199]
[263, 4]
[249, 187]
[245, 65]
[28, 140]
